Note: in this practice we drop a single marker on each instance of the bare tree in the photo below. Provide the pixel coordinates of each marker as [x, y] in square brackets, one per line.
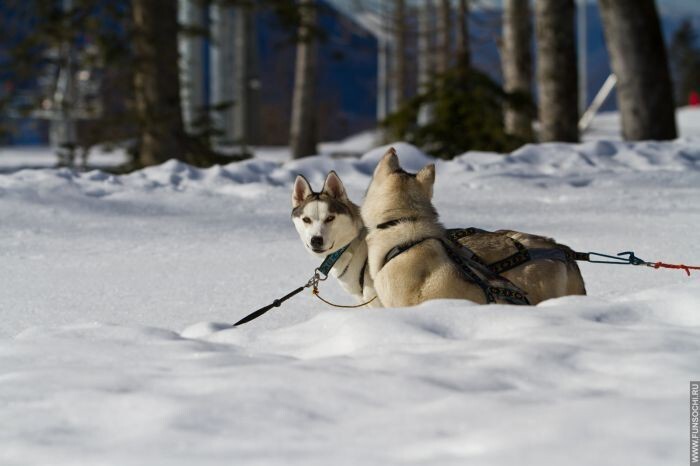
[382, 64]
[426, 67]
[463, 50]
[557, 78]
[191, 18]
[398, 72]
[444, 36]
[247, 93]
[157, 90]
[303, 127]
[161, 129]
[638, 56]
[516, 61]
[222, 65]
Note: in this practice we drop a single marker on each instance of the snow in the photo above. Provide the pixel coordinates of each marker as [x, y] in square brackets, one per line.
[607, 126]
[118, 291]
[41, 157]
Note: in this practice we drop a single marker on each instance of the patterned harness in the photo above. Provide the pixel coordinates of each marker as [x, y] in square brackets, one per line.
[492, 284]
[520, 257]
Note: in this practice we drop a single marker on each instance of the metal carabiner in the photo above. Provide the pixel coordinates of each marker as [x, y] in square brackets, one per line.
[632, 259]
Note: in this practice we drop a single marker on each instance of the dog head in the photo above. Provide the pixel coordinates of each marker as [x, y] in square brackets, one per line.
[326, 221]
[394, 193]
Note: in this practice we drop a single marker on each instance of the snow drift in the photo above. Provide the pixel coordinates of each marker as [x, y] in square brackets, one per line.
[118, 292]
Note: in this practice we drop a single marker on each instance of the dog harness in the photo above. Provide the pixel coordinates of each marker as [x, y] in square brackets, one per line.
[491, 283]
[520, 257]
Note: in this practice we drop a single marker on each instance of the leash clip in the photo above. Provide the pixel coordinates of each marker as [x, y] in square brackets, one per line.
[634, 260]
[316, 279]
[319, 275]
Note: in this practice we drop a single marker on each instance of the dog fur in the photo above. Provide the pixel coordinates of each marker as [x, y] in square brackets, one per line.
[425, 271]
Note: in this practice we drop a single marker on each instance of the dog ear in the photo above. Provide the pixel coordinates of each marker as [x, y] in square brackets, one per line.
[388, 164]
[333, 186]
[426, 178]
[302, 190]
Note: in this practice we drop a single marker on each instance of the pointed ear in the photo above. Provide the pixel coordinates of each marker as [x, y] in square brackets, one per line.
[388, 164]
[426, 178]
[302, 190]
[333, 186]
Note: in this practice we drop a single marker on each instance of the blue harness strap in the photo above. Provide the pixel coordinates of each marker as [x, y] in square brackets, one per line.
[330, 260]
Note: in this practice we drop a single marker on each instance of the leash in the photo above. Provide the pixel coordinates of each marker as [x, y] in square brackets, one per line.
[631, 259]
[264, 309]
[313, 282]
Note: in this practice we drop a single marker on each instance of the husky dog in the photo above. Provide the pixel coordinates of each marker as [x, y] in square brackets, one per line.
[326, 222]
[399, 215]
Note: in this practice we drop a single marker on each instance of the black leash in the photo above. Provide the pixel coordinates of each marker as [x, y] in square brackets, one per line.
[275, 303]
[324, 269]
[313, 282]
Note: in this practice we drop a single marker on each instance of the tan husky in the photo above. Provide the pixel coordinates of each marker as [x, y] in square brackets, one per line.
[412, 259]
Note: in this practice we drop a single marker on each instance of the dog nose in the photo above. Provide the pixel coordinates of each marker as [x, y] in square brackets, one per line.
[316, 241]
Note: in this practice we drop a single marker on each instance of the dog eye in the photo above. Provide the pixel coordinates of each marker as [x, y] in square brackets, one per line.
[330, 218]
[306, 220]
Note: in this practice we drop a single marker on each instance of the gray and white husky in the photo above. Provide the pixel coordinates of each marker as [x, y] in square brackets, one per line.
[328, 221]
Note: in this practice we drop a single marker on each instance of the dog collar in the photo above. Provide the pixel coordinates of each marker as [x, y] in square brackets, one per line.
[331, 259]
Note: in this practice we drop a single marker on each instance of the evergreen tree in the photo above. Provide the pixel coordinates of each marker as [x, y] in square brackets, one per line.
[466, 113]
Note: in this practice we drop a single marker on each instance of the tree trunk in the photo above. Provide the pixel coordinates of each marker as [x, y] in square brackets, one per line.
[190, 44]
[247, 92]
[638, 57]
[426, 67]
[463, 50]
[444, 36]
[303, 131]
[382, 65]
[516, 61]
[156, 87]
[398, 72]
[222, 65]
[557, 78]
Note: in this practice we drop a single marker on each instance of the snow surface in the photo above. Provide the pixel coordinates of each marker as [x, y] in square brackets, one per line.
[117, 291]
[607, 126]
[14, 157]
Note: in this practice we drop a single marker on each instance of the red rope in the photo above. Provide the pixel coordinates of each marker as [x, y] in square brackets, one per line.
[676, 266]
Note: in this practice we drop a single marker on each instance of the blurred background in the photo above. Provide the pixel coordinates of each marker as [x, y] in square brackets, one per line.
[124, 84]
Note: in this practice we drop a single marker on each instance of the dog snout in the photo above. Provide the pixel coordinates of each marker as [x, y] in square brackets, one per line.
[316, 242]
